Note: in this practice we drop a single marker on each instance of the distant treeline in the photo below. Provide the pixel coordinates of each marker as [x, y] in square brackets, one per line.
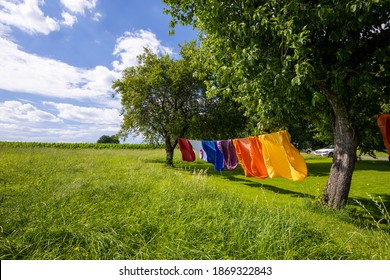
[79, 145]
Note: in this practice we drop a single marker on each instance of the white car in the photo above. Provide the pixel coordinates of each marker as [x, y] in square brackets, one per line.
[325, 152]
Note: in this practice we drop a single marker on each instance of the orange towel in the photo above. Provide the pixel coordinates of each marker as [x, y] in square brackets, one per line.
[281, 158]
[249, 153]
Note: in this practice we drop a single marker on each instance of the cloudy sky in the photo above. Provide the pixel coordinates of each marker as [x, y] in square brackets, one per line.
[58, 59]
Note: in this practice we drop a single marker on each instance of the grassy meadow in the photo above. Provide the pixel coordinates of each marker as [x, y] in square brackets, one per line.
[58, 203]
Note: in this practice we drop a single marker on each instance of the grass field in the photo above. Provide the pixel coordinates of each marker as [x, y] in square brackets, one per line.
[125, 204]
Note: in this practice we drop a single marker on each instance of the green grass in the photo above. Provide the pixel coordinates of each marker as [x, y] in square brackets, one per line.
[125, 204]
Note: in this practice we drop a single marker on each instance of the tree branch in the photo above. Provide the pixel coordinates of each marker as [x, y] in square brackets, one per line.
[369, 47]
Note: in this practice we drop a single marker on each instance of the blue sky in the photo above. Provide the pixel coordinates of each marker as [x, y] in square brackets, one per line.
[58, 59]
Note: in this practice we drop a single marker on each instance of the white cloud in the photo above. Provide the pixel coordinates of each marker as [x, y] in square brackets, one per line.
[97, 16]
[92, 115]
[132, 44]
[24, 72]
[68, 19]
[21, 121]
[60, 133]
[27, 16]
[13, 112]
[24, 122]
[79, 6]
[4, 30]
[29, 73]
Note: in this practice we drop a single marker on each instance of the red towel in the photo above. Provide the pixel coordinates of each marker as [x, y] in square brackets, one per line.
[384, 125]
[187, 154]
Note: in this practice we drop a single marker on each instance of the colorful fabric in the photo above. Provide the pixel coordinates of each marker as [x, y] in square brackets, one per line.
[270, 155]
[383, 121]
[197, 146]
[187, 154]
[214, 155]
[249, 154]
[281, 158]
[230, 160]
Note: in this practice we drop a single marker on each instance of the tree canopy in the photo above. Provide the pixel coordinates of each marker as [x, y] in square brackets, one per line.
[113, 139]
[323, 61]
[163, 100]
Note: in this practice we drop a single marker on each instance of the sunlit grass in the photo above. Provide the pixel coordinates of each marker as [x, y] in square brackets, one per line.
[125, 204]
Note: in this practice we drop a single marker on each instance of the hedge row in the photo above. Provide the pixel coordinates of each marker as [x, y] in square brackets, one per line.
[79, 145]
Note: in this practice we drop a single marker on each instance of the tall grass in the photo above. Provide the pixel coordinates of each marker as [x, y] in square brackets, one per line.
[124, 204]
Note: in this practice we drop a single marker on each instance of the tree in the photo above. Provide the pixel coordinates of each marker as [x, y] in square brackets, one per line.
[323, 61]
[162, 99]
[108, 139]
[159, 98]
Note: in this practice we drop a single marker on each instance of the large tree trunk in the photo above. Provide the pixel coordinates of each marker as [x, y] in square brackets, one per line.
[336, 191]
[169, 149]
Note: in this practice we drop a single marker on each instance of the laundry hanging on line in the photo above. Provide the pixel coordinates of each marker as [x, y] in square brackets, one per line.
[281, 158]
[269, 155]
[249, 153]
[214, 155]
[187, 154]
[383, 121]
[197, 146]
[230, 160]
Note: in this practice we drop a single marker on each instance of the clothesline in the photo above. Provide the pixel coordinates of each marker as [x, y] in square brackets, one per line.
[264, 156]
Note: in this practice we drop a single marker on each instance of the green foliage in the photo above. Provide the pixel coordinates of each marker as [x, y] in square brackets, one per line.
[159, 97]
[311, 62]
[108, 139]
[97, 146]
[163, 100]
[288, 61]
[62, 204]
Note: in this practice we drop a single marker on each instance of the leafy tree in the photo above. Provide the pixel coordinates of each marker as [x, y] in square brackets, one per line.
[324, 61]
[163, 100]
[108, 139]
[221, 118]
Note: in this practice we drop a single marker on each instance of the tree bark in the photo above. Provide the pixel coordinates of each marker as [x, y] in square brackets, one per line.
[336, 191]
[170, 150]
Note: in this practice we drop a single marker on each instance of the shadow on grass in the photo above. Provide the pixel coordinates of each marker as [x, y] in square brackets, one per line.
[236, 176]
[266, 187]
[377, 165]
[323, 168]
[364, 213]
[318, 169]
[372, 211]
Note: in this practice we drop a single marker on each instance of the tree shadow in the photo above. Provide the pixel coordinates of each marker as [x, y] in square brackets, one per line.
[373, 211]
[267, 187]
[377, 165]
[236, 176]
[323, 168]
[363, 212]
[318, 169]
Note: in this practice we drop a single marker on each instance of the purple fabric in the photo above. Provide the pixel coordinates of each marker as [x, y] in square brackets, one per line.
[230, 160]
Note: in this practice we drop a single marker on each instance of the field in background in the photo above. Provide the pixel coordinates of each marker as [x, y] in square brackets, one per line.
[60, 203]
[98, 146]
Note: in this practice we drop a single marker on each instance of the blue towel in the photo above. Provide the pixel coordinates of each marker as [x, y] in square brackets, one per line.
[214, 155]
